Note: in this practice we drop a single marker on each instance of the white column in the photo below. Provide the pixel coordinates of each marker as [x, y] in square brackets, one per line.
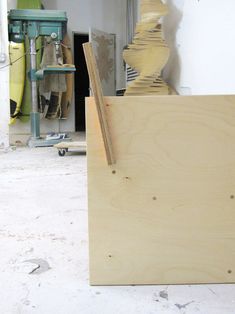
[4, 77]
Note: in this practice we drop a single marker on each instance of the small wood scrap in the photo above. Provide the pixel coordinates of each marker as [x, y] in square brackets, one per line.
[59, 66]
[64, 147]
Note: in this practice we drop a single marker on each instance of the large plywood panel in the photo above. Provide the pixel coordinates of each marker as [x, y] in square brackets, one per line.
[165, 213]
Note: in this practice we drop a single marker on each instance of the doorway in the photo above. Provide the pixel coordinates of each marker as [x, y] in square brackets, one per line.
[81, 81]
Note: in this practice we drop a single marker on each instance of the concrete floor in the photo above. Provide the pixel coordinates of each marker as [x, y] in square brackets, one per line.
[44, 248]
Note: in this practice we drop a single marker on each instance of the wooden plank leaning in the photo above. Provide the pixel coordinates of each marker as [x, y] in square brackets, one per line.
[99, 100]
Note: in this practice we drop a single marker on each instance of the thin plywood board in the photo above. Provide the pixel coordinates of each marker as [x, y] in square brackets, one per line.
[105, 52]
[165, 212]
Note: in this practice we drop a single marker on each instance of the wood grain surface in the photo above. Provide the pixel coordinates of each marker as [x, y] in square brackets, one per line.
[165, 212]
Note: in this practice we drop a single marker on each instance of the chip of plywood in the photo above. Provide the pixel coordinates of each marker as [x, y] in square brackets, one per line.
[74, 144]
[165, 212]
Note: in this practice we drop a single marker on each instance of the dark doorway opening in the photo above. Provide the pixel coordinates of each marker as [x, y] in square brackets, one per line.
[81, 81]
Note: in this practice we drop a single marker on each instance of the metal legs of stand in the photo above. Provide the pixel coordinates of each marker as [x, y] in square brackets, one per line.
[34, 115]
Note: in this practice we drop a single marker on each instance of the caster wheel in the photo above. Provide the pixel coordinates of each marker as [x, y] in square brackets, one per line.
[62, 152]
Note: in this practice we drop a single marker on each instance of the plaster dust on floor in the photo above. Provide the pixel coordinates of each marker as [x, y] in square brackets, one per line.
[44, 247]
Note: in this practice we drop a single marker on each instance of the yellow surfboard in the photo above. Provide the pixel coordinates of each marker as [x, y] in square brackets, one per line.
[17, 78]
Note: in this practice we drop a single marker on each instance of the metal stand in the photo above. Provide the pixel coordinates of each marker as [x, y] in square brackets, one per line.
[35, 116]
[35, 140]
[35, 23]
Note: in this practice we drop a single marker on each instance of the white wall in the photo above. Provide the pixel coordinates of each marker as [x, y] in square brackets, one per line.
[201, 37]
[11, 4]
[4, 78]
[106, 15]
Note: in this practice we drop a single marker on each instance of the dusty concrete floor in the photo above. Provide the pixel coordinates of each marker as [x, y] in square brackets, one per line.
[43, 220]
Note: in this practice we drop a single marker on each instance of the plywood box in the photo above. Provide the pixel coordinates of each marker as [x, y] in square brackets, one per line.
[165, 212]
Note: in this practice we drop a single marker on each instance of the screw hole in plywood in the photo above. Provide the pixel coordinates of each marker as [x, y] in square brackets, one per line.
[229, 271]
[113, 172]
[232, 197]
[154, 198]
